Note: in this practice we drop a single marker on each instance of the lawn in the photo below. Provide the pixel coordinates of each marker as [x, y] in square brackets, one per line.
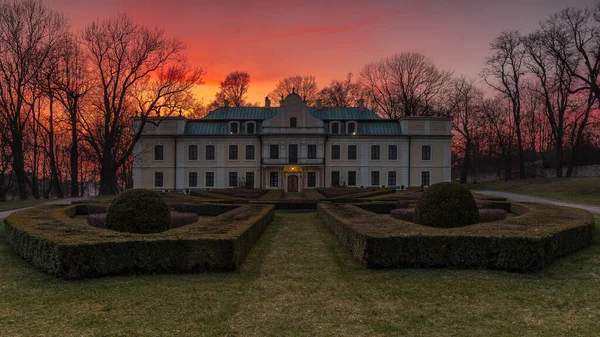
[298, 281]
[8, 205]
[583, 190]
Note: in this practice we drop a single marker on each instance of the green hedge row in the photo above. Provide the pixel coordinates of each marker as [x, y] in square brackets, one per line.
[52, 240]
[527, 242]
[313, 194]
[272, 195]
[289, 204]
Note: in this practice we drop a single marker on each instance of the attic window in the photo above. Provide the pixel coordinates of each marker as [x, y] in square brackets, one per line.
[335, 127]
[351, 128]
[293, 122]
[234, 128]
[250, 127]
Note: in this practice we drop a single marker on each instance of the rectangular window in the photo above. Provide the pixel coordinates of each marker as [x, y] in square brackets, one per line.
[335, 178]
[233, 152]
[234, 127]
[392, 178]
[193, 152]
[159, 152]
[249, 152]
[335, 128]
[293, 154]
[335, 152]
[158, 179]
[233, 179]
[351, 178]
[375, 178]
[250, 128]
[312, 151]
[210, 179]
[392, 152]
[210, 152]
[426, 152]
[274, 151]
[351, 152]
[193, 179]
[249, 179]
[274, 179]
[312, 179]
[375, 152]
[351, 128]
[425, 175]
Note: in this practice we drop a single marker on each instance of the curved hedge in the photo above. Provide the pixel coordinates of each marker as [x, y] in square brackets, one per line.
[446, 205]
[527, 242]
[52, 239]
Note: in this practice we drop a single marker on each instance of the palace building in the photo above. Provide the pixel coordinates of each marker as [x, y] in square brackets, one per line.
[292, 147]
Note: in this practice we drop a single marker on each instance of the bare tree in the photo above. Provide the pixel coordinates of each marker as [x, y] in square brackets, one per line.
[28, 34]
[136, 71]
[233, 89]
[500, 132]
[342, 93]
[503, 72]
[305, 86]
[406, 84]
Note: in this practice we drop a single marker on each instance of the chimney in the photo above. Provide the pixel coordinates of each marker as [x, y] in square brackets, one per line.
[267, 102]
[226, 103]
[361, 104]
[319, 104]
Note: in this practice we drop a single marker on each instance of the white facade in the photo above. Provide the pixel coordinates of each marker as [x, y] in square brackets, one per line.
[292, 147]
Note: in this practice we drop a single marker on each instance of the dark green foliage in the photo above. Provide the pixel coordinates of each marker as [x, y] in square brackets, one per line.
[50, 238]
[95, 208]
[527, 242]
[97, 220]
[179, 219]
[446, 205]
[139, 211]
[379, 207]
[487, 215]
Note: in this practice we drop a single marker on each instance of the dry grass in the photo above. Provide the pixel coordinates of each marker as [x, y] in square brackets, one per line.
[298, 281]
[8, 205]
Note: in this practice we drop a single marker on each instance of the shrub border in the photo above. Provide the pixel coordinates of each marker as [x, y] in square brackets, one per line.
[402, 244]
[52, 241]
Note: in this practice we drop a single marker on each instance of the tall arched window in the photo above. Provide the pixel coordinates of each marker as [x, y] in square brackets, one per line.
[293, 122]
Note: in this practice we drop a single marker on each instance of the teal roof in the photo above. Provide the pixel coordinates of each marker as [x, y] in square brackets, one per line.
[260, 113]
[242, 113]
[343, 113]
[206, 128]
[383, 128]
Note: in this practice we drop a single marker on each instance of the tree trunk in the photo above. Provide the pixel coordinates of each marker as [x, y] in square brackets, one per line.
[19, 164]
[521, 152]
[466, 163]
[108, 177]
[74, 153]
[559, 157]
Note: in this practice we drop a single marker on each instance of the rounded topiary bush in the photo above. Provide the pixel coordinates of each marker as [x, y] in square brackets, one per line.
[446, 205]
[138, 211]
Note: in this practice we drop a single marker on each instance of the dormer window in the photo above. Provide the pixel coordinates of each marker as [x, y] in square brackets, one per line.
[293, 122]
[234, 128]
[351, 128]
[250, 127]
[335, 128]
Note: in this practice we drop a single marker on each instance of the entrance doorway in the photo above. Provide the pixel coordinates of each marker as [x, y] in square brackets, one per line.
[292, 183]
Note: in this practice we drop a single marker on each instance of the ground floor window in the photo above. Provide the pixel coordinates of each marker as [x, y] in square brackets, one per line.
[158, 179]
[392, 178]
[335, 178]
[274, 179]
[249, 179]
[210, 179]
[233, 179]
[312, 179]
[375, 178]
[193, 179]
[425, 175]
[351, 178]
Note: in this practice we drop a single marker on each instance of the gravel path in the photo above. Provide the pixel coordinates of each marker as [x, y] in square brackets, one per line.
[66, 201]
[530, 198]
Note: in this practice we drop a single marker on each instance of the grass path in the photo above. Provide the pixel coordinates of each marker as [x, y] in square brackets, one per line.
[297, 281]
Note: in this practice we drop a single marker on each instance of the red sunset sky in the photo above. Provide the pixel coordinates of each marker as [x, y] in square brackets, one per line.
[275, 39]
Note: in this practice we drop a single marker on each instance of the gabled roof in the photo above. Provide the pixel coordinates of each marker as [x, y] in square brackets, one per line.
[260, 113]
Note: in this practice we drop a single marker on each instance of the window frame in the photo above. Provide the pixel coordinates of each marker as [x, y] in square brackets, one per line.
[237, 126]
[253, 151]
[229, 176]
[355, 178]
[395, 152]
[271, 175]
[214, 152]
[428, 178]
[190, 146]
[378, 175]
[423, 147]
[254, 128]
[395, 178]
[206, 178]
[339, 128]
[162, 152]
[308, 156]
[355, 152]
[189, 179]
[229, 152]
[253, 179]
[162, 178]
[348, 128]
[378, 152]
[295, 122]
[339, 152]
[308, 179]
[271, 147]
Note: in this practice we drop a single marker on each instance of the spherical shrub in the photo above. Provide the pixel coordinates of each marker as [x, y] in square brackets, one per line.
[138, 211]
[446, 205]
[406, 214]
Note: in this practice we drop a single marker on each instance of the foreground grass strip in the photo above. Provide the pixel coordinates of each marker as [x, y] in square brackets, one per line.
[561, 300]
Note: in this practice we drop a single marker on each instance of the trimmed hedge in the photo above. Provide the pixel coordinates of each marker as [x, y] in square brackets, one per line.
[52, 240]
[313, 194]
[138, 211]
[488, 215]
[379, 207]
[446, 205]
[272, 195]
[289, 204]
[527, 242]
[406, 214]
